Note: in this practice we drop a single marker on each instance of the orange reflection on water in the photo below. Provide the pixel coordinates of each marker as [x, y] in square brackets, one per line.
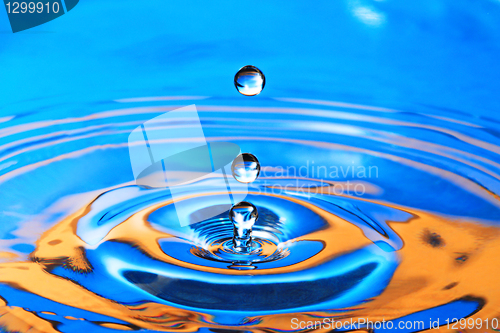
[441, 260]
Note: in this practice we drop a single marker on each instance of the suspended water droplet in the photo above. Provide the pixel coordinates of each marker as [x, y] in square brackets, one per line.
[249, 80]
[245, 168]
[243, 215]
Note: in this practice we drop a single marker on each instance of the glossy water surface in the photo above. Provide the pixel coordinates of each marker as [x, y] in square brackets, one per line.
[377, 195]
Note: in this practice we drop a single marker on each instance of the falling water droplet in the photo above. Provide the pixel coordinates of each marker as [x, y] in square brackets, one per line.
[245, 168]
[243, 215]
[249, 80]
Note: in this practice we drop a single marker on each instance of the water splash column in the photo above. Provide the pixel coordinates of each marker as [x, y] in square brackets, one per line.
[245, 169]
[243, 215]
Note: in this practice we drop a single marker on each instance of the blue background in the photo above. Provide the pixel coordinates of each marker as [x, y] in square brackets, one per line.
[391, 53]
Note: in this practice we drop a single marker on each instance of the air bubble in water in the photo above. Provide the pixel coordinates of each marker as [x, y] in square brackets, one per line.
[249, 80]
[245, 168]
[243, 215]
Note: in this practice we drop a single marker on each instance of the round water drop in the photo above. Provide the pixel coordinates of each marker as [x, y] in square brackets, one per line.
[249, 80]
[245, 168]
[243, 215]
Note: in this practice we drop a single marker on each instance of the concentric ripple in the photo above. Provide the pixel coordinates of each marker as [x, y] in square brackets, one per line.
[364, 212]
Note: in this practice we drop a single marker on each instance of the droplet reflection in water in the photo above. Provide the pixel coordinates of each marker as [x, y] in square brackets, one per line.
[245, 168]
[249, 80]
[243, 215]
